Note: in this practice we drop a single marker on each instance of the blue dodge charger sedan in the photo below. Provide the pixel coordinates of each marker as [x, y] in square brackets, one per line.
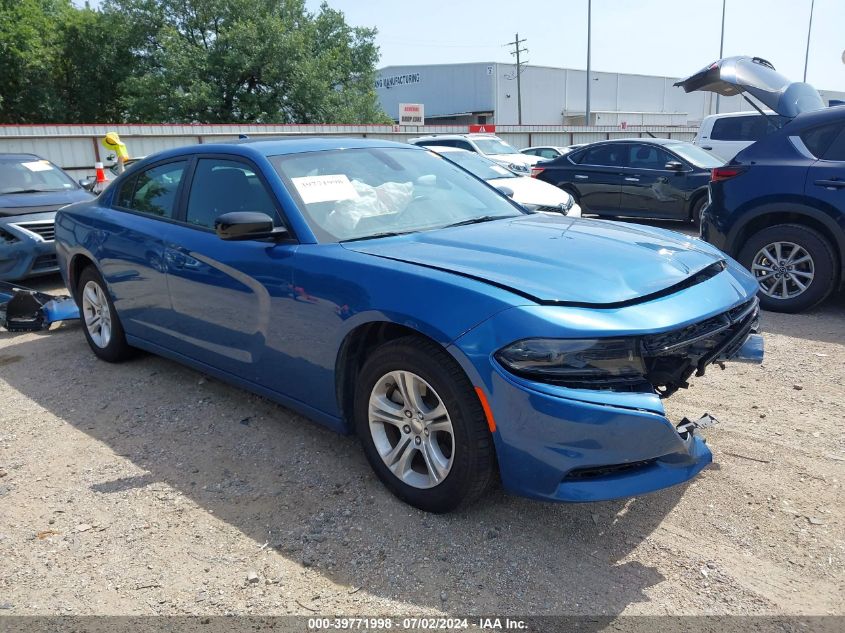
[384, 291]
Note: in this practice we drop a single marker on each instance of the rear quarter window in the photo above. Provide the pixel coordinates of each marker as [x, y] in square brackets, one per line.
[826, 141]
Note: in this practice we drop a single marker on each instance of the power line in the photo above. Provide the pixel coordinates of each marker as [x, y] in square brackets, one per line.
[517, 50]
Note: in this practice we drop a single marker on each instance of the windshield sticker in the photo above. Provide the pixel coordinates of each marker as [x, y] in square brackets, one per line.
[499, 170]
[324, 188]
[38, 165]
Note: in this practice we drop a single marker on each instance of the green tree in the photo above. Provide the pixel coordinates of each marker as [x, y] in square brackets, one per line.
[92, 63]
[29, 32]
[221, 61]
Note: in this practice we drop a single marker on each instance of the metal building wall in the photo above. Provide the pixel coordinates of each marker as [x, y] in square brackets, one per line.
[444, 89]
[77, 147]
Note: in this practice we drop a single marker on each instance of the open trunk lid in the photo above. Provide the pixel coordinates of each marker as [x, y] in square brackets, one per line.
[757, 77]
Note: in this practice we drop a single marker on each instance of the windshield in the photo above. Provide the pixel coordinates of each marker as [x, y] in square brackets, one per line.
[695, 155]
[354, 194]
[31, 175]
[479, 166]
[494, 146]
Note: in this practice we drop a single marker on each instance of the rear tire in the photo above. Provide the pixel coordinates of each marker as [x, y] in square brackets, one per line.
[100, 322]
[440, 460]
[697, 208]
[794, 264]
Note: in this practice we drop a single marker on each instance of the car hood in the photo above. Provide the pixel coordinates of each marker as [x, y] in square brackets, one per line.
[520, 159]
[528, 190]
[757, 77]
[21, 203]
[558, 260]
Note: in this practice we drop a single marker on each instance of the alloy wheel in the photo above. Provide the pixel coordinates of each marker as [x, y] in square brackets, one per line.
[411, 429]
[95, 311]
[783, 269]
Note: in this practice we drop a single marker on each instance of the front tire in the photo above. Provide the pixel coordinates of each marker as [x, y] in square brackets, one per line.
[422, 426]
[100, 322]
[794, 265]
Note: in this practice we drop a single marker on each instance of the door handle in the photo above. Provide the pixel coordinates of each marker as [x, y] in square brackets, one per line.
[831, 184]
[706, 147]
[629, 179]
[580, 177]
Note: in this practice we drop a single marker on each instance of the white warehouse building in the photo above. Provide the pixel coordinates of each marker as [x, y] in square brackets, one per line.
[486, 92]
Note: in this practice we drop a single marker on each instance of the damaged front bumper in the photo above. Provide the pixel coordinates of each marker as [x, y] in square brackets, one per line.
[26, 310]
[27, 246]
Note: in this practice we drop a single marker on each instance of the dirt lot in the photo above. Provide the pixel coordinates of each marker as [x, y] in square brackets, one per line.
[147, 488]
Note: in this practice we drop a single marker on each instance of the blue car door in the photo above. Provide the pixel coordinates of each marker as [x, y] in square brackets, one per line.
[130, 248]
[826, 177]
[228, 297]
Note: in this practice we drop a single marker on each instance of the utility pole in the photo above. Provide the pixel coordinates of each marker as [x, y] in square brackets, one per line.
[809, 29]
[589, 33]
[721, 48]
[517, 51]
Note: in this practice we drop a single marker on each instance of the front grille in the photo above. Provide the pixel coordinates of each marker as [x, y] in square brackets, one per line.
[46, 230]
[547, 209]
[706, 334]
[44, 262]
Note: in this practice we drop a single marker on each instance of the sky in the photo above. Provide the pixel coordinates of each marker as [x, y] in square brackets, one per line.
[672, 38]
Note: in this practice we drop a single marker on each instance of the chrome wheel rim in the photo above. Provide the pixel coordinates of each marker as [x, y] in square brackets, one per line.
[784, 270]
[95, 311]
[411, 429]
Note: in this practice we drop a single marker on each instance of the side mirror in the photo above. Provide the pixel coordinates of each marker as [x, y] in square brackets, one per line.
[506, 190]
[674, 165]
[87, 183]
[247, 225]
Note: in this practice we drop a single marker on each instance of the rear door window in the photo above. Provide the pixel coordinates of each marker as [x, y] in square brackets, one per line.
[836, 150]
[605, 156]
[154, 190]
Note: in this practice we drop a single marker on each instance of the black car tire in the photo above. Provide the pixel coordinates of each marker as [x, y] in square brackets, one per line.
[823, 260]
[697, 208]
[116, 348]
[473, 464]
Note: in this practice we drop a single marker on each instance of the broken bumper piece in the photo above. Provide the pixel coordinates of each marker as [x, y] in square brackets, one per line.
[26, 310]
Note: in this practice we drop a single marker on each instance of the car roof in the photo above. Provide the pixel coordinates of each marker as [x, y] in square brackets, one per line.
[469, 135]
[647, 141]
[728, 115]
[15, 156]
[817, 117]
[446, 148]
[264, 147]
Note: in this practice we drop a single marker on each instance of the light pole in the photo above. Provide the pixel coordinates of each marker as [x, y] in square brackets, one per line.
[809, 29]
[589, 30]
[721, 48]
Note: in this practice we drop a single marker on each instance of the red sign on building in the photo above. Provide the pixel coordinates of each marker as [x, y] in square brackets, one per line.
[483, 128]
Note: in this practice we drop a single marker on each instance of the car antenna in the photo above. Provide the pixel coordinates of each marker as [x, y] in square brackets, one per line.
[242, 136]
[650, 134]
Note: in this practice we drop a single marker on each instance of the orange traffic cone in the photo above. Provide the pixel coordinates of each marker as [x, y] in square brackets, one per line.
[101, 181]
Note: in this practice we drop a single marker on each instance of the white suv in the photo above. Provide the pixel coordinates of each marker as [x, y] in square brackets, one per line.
[725, 135]
[487, 145]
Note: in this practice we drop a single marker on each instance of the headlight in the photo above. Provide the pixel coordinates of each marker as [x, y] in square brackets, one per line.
[575, 360]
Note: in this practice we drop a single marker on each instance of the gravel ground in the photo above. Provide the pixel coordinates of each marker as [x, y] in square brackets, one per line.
[148, 488]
